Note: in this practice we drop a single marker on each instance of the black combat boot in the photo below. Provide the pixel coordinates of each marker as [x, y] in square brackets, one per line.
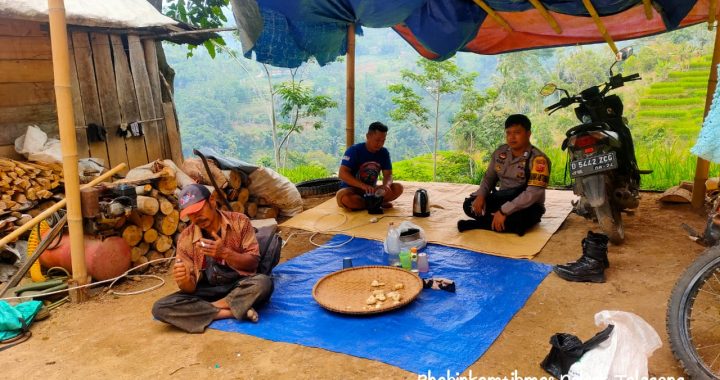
[591, 265]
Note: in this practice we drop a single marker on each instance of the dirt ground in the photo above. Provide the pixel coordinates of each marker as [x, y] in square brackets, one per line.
[116, 337]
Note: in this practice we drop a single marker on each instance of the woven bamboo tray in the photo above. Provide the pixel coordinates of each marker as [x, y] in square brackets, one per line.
[347, 290]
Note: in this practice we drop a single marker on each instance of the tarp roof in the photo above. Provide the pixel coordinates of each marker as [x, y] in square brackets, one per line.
[286, 33]
[92, 13]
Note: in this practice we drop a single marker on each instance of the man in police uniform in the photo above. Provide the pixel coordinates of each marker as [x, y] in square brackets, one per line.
[523, 172]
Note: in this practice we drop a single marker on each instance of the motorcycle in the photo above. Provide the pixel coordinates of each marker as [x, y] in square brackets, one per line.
[693, 309]
[601, 152]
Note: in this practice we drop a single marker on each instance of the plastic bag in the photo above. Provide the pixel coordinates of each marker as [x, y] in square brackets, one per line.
[409, 235]
[624, 354]
[36, 146]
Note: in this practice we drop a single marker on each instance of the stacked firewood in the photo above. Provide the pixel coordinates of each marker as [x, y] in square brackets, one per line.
[234, 185]
[23, 182]
[151, 227]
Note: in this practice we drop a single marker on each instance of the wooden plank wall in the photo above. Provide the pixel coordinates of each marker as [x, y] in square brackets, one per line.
[115, 81]
[26, 81]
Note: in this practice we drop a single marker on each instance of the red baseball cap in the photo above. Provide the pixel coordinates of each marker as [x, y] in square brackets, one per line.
[192, 198]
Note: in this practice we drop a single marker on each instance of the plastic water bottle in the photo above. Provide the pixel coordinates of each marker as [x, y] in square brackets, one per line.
[392, 244]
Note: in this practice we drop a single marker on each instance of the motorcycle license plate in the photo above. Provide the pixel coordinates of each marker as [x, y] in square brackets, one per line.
[594, 164]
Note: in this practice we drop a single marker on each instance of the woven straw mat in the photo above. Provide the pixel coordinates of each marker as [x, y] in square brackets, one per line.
[347, 291]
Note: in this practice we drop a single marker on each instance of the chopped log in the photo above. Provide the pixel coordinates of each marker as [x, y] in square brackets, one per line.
[145, 222]
[155, 255]
[235, 179]
[150, 235]
[237, 207]
[166, 207]
[139, 251]
[168, 224]
[142, 260]
[194, 168]
[163, 243]
[232, 194]
[244, 195]
[147, 205]
[132, 234]
[169, 253]
[267, 212]
[251, 209]
[143, 189]
[167, 185]
[19, 198]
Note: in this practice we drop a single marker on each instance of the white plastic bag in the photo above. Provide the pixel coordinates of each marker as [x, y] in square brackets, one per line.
[36, 146]
[416, 240]
[277, 190]
[624, 354]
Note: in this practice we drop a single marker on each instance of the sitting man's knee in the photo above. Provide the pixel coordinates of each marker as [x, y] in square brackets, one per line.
[264, 283]
[158, 310]
[397, 188]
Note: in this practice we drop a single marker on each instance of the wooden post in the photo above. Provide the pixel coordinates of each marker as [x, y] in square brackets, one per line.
[66, 122]
[350, 88]
[703, 166]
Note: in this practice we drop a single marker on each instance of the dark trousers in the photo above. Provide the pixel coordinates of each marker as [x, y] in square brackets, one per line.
[518, 222]
[193, 312]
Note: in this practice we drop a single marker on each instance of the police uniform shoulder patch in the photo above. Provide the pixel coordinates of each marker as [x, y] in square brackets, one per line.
[539, 172]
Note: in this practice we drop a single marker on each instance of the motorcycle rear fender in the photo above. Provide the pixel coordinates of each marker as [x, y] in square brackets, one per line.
[609, 137]
[593, 187]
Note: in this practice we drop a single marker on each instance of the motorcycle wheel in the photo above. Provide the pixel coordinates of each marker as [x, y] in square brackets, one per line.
[692, 322]
[610, 221]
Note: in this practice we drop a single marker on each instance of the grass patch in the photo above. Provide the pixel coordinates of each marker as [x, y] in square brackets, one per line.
[452, 167]
[304, 173]
[672, 102]
[689, 74]
[663, 114]
[676, 91]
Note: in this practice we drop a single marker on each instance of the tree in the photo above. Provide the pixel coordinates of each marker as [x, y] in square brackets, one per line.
[438, 81]
[204, 14]
[299, 107]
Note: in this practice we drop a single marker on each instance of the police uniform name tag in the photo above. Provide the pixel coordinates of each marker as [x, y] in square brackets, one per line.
[593, 165]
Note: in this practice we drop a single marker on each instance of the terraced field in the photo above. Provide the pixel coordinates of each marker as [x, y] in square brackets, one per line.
[675, 107]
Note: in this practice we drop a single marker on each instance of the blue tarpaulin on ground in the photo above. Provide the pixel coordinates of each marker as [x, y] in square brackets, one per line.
[287, 33]
[439, 331]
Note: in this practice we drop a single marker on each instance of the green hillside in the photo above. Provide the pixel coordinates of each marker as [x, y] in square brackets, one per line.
[674, 107]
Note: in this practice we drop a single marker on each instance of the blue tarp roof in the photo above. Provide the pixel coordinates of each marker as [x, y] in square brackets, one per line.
[287, 33]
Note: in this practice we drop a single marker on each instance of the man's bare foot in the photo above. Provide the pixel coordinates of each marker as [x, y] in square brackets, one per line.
[221, 304]
[252, 315]
[387, 205]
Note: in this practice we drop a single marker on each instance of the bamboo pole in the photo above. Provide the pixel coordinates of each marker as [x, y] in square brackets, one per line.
[350, 88]
[66, 124]
[711, 14]
[601, 27]
[702, 167]
[547, 16]
[50, 210]
[648, 9]
[491, 12]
